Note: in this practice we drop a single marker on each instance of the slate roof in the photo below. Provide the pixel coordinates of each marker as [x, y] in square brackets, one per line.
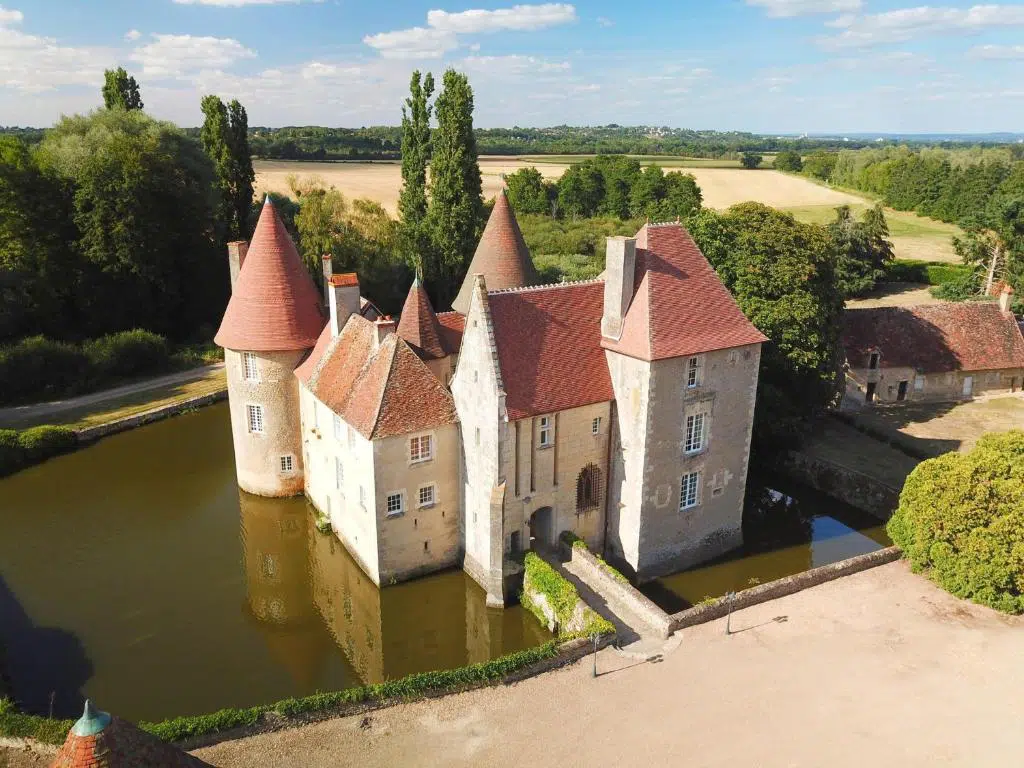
[274, 305]
[935, 338]
[501, 255]
[381, 393]
[549, 347]
[680, 306]
[98, 740]
[419, 325]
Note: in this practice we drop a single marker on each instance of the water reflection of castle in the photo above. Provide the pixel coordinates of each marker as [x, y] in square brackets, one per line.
[306, 591]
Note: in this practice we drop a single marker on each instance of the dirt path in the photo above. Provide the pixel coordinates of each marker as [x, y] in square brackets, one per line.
[880, 668]
[42, 411]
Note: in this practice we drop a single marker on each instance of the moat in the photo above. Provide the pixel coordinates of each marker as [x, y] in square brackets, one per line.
[136, 573]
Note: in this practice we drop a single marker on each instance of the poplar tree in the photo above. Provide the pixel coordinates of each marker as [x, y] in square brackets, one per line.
[412, 202]
[120, 90]
[456, 211]
[225, 140]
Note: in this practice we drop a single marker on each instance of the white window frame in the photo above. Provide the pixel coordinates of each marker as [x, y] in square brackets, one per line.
[339, 472]
[595, 426]
[254, 418]
[689, 491]
[417, 454]
[545, 432]
[400, 510]
[339, 428]
[693, 372]
[420, 503]
[250, 370]
[286, 463]
[696, 433]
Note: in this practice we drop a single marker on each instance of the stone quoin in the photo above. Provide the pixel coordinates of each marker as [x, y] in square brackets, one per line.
[618, 408]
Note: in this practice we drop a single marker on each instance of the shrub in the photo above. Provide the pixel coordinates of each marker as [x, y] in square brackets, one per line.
[562, 596]
[960, 288]
[38, 367]
[128, 353]
[960, 518]
[930, 272]
[39, 443]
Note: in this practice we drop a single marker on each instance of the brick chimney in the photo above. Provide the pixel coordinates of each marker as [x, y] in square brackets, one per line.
[343, 299]
[385, 325]
[1005, 297]
[619, 266]
[328, 268]
[237, 250]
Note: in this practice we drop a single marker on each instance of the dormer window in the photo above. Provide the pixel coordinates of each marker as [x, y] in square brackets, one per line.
[873, 361]
[693, 371]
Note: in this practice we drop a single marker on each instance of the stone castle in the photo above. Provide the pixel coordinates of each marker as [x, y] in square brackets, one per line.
[618, 408]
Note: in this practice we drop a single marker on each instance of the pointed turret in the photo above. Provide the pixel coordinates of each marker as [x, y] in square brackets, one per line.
[98, 739]
[419, 325]
[501, 256]
[275, 305]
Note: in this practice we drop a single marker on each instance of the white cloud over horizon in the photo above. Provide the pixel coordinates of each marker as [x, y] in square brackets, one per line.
[998, 52]
[441, 34]
[239, 3]
[172, 56]
[906, 24]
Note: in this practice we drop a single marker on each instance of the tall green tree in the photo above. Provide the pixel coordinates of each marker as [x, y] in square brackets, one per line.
[782, 274]
[750, 160]
[580, 190]
[863, 249]
[527, 192]
[120, 90]
[224, 137]
[788, 160]
[414, 236]
[456, 211]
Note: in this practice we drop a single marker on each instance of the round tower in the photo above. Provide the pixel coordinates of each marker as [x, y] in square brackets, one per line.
[271, 323]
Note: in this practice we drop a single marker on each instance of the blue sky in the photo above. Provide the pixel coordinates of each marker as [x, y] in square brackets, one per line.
[757, 65]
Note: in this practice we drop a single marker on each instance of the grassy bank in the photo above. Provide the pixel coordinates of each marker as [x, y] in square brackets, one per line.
[32, 446]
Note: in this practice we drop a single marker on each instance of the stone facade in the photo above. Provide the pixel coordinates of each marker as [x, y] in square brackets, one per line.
[893, 385]
[274, 391]
[649, 529]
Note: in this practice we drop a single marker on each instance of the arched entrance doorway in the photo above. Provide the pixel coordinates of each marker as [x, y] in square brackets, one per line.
[542, 525]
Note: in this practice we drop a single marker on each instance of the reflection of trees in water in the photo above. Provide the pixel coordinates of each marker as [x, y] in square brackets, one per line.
[36, 662]
[772, 519]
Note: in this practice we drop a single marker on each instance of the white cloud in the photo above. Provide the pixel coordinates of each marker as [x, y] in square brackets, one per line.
[910, 23]
[513, 64]
[170, 56]
[781, 8]
[604, 21]
[998, 51]
[132, 34]
[32, 64]
[443, 28]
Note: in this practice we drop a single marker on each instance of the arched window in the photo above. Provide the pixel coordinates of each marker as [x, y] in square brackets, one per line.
[588, 489]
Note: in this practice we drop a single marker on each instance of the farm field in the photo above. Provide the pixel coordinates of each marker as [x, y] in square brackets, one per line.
[914, 237]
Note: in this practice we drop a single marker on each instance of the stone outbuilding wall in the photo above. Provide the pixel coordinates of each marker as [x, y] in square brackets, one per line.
[924, 386]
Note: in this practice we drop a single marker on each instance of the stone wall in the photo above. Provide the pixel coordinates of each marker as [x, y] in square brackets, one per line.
[258, 456]
[937, 387]
[91, 434]
[847, 485]
[762, 593]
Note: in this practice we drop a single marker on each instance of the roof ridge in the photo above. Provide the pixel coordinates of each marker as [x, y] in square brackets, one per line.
[386, 379]
[544, 286]
[676, 223]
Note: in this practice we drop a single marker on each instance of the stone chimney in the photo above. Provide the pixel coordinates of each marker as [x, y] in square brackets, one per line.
[236, 257]
[343, 299]
[384, 326]
[619, 267]
[328, 267]
[1005, 297]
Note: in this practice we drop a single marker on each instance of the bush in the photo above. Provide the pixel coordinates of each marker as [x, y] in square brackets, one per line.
[38, 367]
[128, 353]
[562, 596]
[930, 272]
[960, 288]
[960, 518]
[20, 449]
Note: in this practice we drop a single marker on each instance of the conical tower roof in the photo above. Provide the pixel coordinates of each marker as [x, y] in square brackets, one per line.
[419, 325]
[275, 305]
[501, 256]
[98, 740]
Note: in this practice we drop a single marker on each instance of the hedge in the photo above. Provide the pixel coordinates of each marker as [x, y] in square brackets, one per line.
[37, 369]
[562, 596]
[15, 724]
[930, 272]
[960, 519]
[31, 446]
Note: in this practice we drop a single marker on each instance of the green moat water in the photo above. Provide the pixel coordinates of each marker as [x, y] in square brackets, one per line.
[135, 572]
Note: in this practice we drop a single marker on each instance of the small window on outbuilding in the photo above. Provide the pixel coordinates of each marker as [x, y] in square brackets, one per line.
[873, 359]
[595, 426]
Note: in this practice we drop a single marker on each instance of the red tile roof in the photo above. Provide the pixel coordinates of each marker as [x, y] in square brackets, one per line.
[680, 306]
[381, 393]
[501, 255]
[549, 347]
[119, 744]
[936, 338]
[419, 325]
[452, 327]
[274, 305]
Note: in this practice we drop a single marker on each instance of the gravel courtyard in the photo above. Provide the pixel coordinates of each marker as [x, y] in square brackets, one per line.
[881, 668]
